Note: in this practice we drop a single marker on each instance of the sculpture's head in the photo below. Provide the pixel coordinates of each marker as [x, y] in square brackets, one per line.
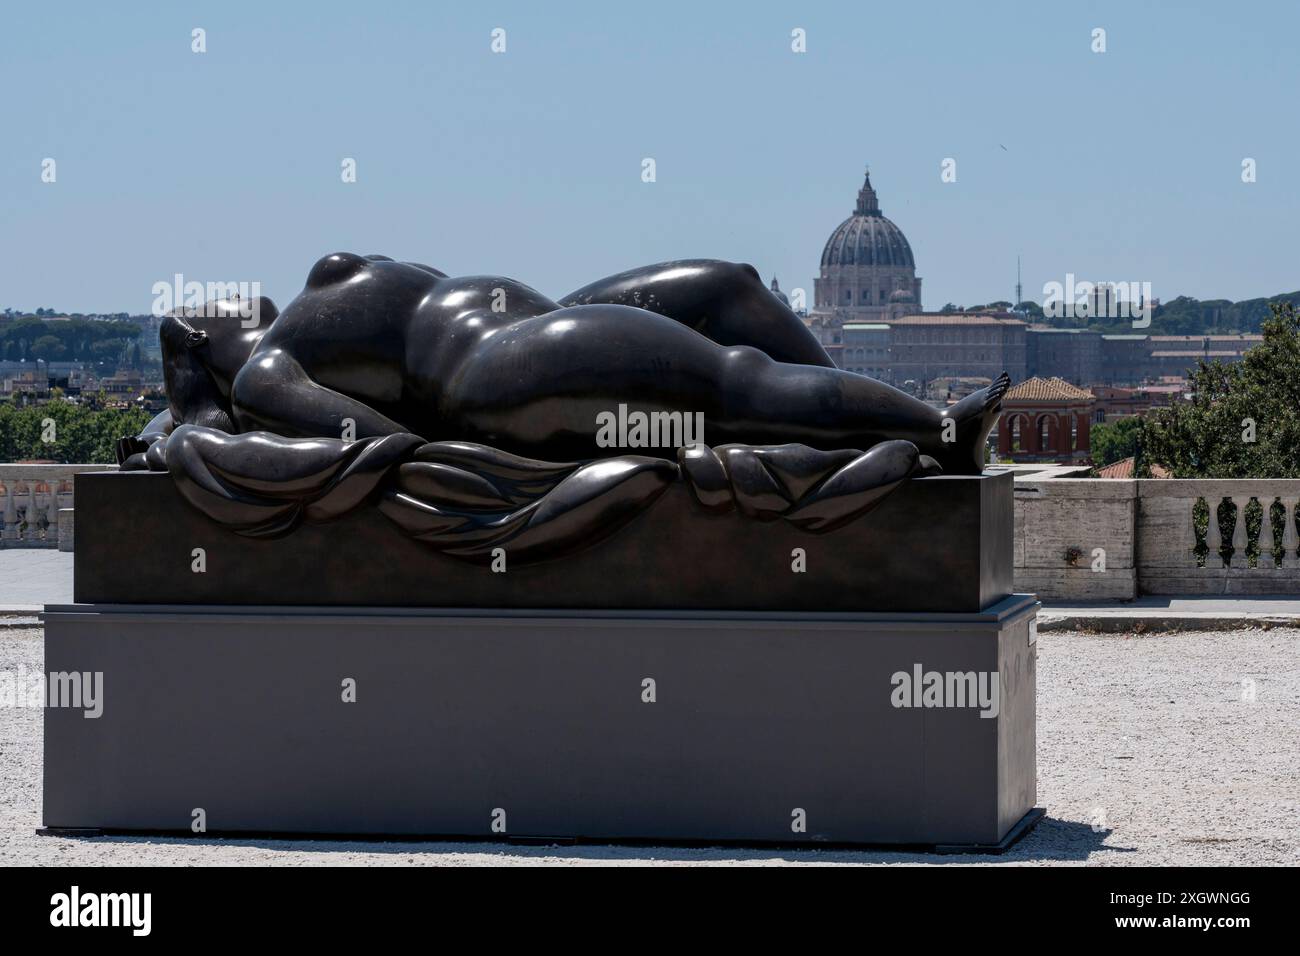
[203, 349]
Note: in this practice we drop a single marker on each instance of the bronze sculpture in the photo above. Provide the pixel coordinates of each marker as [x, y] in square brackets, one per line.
[322, 407]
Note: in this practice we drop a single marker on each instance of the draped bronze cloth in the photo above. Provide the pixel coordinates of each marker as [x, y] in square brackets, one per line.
[466, 499]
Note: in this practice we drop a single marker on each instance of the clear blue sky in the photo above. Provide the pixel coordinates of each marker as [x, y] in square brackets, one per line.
[226, 165]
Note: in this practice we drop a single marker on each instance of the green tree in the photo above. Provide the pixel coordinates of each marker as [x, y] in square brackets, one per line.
[48, 347]
[1244, 419]
[1115, 441]
[81, 435]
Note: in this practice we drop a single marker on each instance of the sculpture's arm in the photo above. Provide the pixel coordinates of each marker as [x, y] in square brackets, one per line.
[273, 393]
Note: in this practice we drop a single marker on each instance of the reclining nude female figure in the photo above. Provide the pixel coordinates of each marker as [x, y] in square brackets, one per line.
[459, 396]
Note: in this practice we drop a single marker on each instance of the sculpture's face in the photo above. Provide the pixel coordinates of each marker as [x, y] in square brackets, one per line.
[202, 352]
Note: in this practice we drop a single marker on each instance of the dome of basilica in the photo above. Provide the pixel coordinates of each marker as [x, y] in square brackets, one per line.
[867, 238]
[867, 270]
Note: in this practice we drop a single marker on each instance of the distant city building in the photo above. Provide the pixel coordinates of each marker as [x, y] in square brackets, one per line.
[69, 376]
[1071, 354]
[1140, 359]
[957, 345]
[153, 401]
[1110, 299]
[28, 383]
[124, 385]
[776, 291]
[945, 391]
[865, 349]
[34, 380]
[1045, 419]
[1093, 358]
[1116, 403]
[867, 315]
[10, 369]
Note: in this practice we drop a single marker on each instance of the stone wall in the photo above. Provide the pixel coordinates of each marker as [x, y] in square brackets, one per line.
[1075, 538]
[1096, 539]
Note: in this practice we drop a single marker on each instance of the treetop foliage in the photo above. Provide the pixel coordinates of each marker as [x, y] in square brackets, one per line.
[1243, 420]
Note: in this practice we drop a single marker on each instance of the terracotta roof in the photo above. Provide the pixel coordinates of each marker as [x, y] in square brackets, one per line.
[1124, 469]
[1046, 390]
[1117, 469]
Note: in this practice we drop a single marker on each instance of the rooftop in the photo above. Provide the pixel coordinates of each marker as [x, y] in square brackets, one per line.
[1124, 469]
[1250, 337]
[1046, 390]
[953, 318]
[1192, 353]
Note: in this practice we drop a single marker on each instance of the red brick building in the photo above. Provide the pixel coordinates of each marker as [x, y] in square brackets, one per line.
[1045, 419]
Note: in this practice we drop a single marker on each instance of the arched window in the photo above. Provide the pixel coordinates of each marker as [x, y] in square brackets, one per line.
[1015, 432]
[1045, 433]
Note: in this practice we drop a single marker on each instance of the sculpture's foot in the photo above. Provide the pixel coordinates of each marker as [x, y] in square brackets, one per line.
[974, 417]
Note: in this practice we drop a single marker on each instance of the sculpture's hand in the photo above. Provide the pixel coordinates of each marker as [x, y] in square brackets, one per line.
[128, 446]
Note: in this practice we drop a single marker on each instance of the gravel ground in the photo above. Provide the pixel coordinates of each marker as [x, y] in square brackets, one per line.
[1148, 753]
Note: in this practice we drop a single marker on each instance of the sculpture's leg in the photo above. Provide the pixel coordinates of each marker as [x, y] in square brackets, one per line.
[725, 301]
[607, 355]
[823, 402]
[274, 394]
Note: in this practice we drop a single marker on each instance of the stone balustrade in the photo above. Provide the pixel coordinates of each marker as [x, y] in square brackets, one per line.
[1082, 539]
[31, 497]
[1218, 536]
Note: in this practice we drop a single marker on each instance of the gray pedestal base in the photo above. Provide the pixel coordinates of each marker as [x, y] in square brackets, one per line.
[764, 727]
